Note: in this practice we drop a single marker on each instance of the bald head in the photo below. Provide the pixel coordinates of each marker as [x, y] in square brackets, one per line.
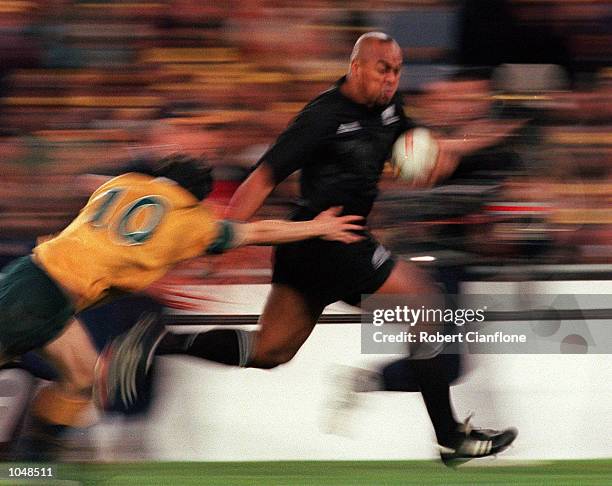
[374, 70]
[364, 46]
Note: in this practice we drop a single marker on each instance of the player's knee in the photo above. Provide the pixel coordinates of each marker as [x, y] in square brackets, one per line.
[269, 353]
[263, 363]
[79, 380]
[270, 358]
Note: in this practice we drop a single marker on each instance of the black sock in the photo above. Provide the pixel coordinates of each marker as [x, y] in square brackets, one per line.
[399, 376]
[227, 346]
[433, 379]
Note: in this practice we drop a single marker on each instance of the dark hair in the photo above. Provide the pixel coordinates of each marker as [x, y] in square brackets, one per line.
[191, 173]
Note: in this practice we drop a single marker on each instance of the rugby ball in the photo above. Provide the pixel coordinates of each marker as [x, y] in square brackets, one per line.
[414, 154]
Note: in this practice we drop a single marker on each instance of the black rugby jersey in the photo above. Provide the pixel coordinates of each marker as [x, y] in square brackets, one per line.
[341, 147]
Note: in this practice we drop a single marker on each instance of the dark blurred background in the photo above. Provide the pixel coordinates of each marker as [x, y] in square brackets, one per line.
[96, 87]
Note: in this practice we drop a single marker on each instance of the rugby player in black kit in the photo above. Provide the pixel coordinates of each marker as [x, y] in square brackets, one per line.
[340, 142]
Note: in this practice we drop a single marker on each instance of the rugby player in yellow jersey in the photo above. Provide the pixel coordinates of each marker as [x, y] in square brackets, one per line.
[133, 230]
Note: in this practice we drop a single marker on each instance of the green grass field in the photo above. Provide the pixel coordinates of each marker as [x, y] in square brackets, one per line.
[557, 473]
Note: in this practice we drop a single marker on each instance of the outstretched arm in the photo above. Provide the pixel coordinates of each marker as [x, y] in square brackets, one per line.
[327, 225]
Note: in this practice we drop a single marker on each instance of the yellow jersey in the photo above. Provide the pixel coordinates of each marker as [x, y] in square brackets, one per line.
[133, 229]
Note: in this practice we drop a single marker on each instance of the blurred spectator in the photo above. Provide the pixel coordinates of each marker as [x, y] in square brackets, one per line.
[84, 88]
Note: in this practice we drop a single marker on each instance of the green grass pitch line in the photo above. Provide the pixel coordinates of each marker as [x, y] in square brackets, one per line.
[378, 473]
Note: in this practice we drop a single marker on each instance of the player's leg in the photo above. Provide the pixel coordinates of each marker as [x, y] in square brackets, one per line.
[287, 320]
[74, 356]
[349, 383]
[434, 376]
[408, 279]
[64, 403]
[33, 312]
[431, 374]
[123, 369]
[33, 309]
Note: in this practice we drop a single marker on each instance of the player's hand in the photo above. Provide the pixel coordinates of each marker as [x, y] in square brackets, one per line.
[340, 228]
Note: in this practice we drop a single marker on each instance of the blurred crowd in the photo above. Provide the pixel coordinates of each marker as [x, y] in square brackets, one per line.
[92, 86]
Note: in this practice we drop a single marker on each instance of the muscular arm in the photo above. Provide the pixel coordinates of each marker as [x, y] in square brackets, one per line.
[251, 194]
[326, 225]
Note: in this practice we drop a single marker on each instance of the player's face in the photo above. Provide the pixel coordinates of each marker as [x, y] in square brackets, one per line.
[378, 72]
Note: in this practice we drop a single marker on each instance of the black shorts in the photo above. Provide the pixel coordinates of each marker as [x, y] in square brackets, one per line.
[33, 309]
[329, 271]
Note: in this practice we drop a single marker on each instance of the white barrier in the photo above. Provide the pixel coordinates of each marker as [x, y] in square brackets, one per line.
[562, 404]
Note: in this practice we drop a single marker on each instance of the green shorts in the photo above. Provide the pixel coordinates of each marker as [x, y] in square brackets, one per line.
[33, 309]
